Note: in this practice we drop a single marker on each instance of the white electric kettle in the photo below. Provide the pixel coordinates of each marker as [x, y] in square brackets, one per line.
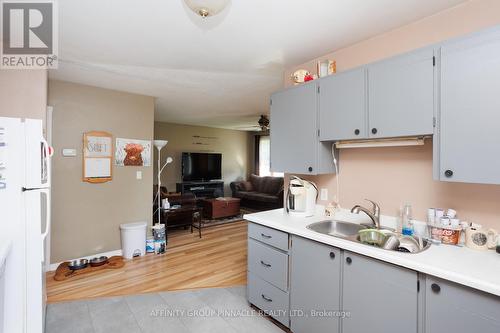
[301, 197]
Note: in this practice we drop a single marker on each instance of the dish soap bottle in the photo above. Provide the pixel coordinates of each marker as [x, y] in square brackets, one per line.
[407, 227]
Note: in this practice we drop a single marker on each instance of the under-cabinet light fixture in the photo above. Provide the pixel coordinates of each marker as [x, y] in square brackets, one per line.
[392, 142]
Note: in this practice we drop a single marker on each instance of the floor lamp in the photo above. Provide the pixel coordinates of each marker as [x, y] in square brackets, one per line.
[159, 144]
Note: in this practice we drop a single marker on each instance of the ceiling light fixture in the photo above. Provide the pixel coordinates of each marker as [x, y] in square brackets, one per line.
[206, 8]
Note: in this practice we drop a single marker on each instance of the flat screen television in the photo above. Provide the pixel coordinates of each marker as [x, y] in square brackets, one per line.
[201, 166]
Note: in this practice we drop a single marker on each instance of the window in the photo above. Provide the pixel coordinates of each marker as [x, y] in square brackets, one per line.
[265, 158]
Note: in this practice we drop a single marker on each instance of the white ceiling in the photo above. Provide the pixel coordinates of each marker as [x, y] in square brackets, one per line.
[219, 71]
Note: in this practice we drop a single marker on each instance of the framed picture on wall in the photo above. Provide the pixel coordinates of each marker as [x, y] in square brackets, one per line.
[130, 152]
[97, 157]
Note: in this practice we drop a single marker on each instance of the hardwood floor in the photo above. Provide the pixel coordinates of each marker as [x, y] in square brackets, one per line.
[218, 259]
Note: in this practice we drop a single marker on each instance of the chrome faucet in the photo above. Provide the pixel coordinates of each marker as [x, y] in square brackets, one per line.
[374, 215]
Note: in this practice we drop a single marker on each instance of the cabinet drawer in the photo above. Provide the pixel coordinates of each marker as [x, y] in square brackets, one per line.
[268, 263]
[268, 298]
[269, 236]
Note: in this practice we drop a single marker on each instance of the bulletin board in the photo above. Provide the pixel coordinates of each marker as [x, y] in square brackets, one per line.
[97, 157]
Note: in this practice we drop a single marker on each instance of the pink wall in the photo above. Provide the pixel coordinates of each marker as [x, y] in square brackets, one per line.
[394, 176]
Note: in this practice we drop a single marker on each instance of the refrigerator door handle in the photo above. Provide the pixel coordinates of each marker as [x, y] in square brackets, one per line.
[48, 219]
[45, 161]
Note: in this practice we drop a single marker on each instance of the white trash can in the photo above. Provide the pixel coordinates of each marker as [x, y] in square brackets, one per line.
[133, 239]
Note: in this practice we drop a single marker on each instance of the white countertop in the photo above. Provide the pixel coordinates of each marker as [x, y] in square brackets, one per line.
[472, 268]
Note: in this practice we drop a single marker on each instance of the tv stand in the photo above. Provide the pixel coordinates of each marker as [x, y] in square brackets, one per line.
[202, 190]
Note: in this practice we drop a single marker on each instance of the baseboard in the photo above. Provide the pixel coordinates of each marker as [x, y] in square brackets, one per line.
[53, 267]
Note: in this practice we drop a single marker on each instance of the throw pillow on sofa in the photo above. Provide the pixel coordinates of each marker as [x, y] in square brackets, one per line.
[247, 186]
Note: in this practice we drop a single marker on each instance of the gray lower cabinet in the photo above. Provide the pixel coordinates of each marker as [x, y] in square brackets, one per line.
[314, 287]
[268, 271]
[342, 106]
[450, 307]
[307, 286]
[470, 110]
[269, 264]
[401, 95]
[268, 298]
[379, 297]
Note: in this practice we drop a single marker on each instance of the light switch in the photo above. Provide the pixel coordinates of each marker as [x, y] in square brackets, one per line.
[138, 175]
[324, 194]
[69, 152]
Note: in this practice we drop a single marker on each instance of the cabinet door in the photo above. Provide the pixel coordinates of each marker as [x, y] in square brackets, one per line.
[450, 307]
[470, 110]
[342, 106]
[401, 95]
[314, 286]
[294, 141]
[379, 297]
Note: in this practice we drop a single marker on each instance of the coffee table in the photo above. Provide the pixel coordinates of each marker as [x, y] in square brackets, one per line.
[221, 207]
[195, 213]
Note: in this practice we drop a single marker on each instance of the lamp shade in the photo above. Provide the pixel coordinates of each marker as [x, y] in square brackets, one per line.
[159, 144]
[206, 8]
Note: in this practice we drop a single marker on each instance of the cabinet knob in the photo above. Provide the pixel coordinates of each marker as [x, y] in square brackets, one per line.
[348, 260]
[435, 288]
[310, 169]
[332, 255]
[356, 131]
[374, 130]
[448, 173]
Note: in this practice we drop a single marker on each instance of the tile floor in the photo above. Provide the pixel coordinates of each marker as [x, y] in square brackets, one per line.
[194, 311]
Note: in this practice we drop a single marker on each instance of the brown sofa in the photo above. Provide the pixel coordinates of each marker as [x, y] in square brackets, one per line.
[259, 192]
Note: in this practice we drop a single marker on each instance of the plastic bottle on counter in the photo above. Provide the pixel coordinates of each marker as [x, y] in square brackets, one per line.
[407, 228]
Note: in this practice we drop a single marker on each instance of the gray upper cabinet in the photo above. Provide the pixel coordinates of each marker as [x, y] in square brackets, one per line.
[450, 307]
[342, 106]
[401, 95]
[295, 147]
[470, 110]
[314, 286]
[293, 129]
[380, 297]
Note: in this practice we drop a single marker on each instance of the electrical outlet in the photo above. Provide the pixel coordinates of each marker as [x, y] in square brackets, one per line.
[138, 175]
[324, 194]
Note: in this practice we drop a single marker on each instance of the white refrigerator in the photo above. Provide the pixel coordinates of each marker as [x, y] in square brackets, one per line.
[25, 219]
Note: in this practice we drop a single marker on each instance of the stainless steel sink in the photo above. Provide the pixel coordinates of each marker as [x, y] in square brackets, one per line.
[349, 231]
[336, 228]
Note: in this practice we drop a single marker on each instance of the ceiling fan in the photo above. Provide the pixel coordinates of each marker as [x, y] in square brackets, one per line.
[262, 124]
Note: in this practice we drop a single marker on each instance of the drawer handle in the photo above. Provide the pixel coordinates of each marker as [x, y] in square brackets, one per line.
[266, 236]
[266, 298]
[265, 264]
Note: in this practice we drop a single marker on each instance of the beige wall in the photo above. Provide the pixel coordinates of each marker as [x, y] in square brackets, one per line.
[86, 217]
[393, 176]
[235, 147]
[23, 93]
